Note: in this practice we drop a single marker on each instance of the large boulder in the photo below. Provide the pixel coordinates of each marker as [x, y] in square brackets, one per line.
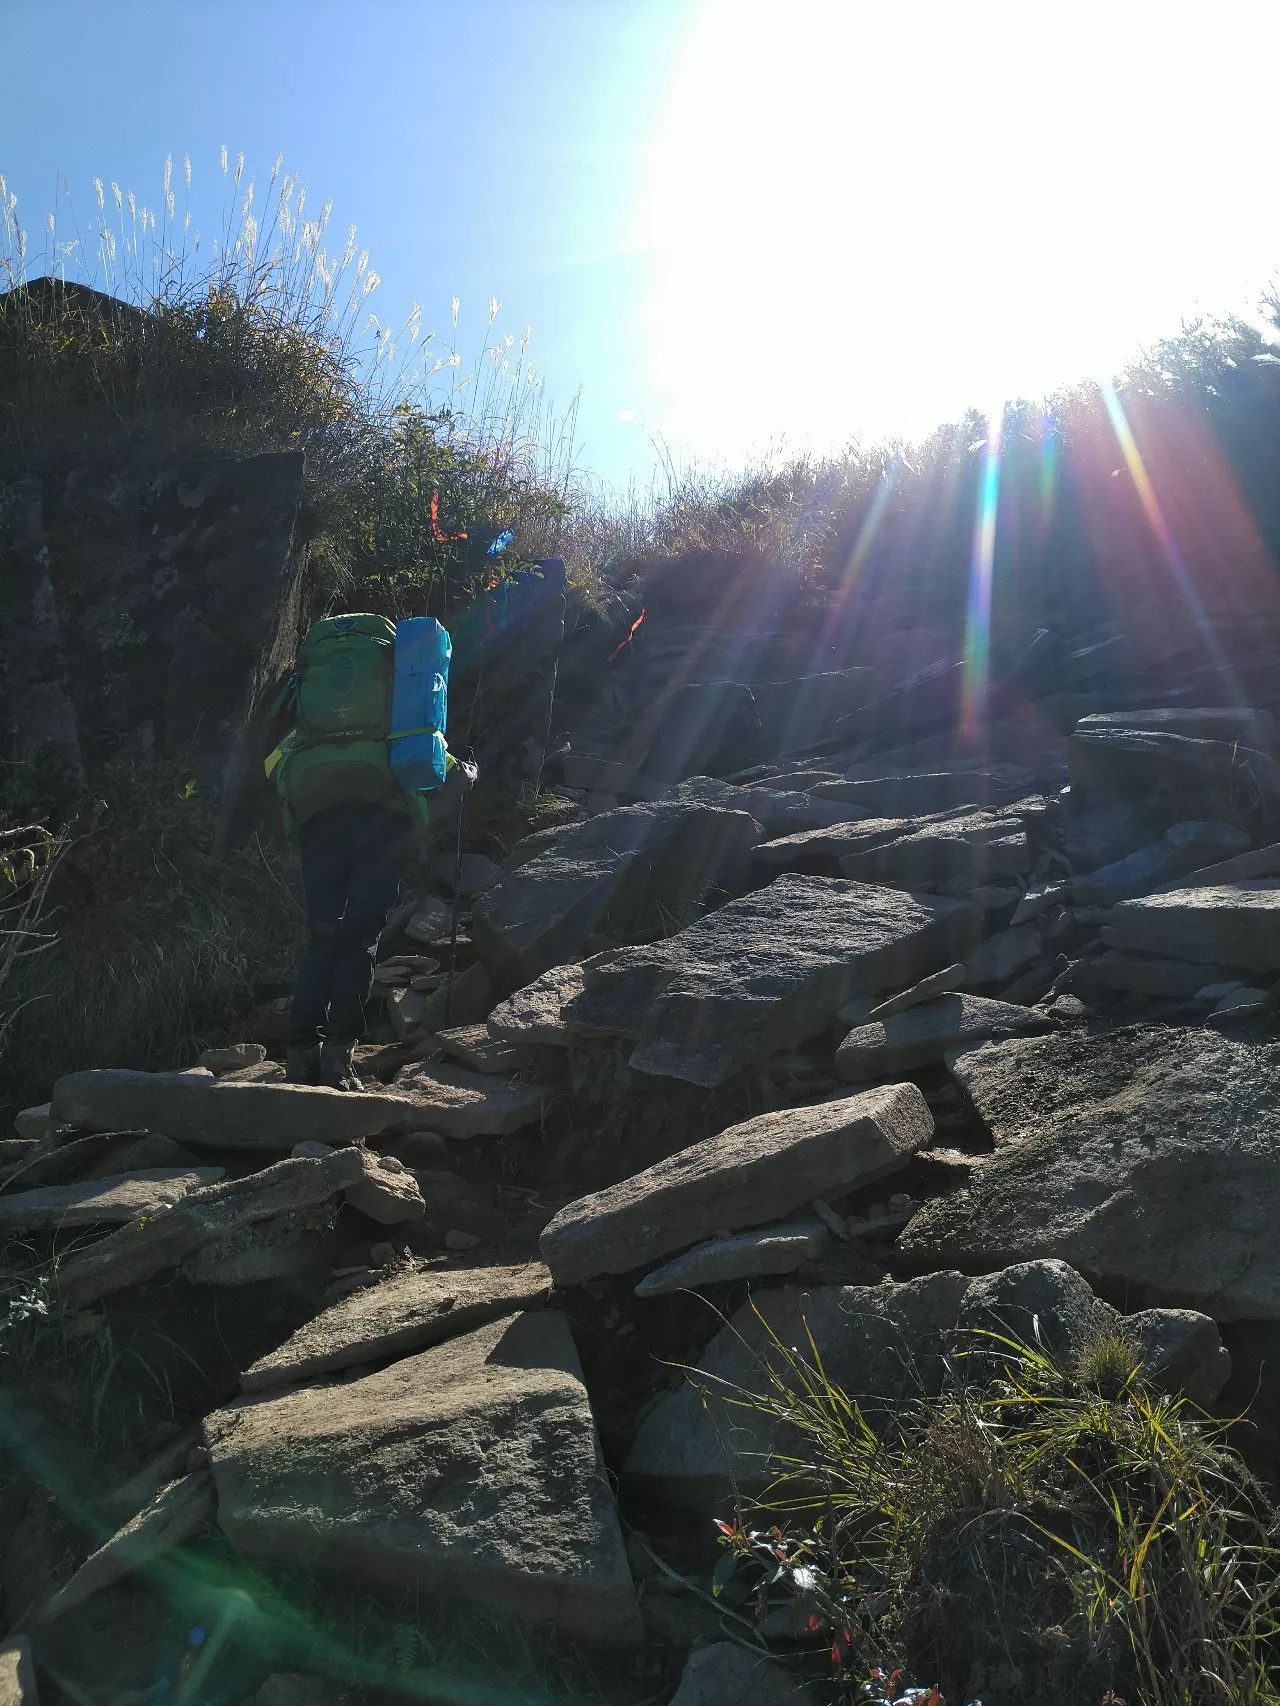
[766, 971]
[1145, 1157]
[410, 1477]
[1176, 777]
[1236, 924]
[886, 1347]
[745, 1176]
[411, 1309]
[227, 1114]
[914, 792]
[622, 866]
[921, 1035]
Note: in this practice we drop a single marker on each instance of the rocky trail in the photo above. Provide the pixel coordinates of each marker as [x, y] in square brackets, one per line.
[892, 1017]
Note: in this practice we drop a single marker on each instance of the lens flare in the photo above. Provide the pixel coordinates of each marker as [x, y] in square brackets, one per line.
[977, 633]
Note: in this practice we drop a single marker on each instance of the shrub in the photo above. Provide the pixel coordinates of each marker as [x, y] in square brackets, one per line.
[1040, 1532]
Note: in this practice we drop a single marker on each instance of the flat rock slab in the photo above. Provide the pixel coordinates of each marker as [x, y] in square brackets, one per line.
[409, 1477]
[181, 1511]
[919, 791]
[1183, 848]
[211, 1113]
[412, 1309]
[533, 1014]
[779, 811]
[766, 972]
[215, 1213]
[928, 989]
[745, 1176]
[1146, 1157]
[885, 1347]
[925, 1034]
[1230, 925]
[474, 1047]
[623, 866]
[772, 1250]
[975, 848]
[101, 1202]
[463, 1104]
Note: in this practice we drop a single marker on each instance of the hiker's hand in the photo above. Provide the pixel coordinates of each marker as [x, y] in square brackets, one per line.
[468, 772]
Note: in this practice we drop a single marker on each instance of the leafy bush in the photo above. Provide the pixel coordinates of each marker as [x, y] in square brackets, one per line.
[1043, 1531]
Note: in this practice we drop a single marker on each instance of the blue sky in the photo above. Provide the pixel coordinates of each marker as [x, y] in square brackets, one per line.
[733, 224]
[483, 147]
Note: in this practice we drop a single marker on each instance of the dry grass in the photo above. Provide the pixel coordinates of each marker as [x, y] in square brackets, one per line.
[1040, 1532]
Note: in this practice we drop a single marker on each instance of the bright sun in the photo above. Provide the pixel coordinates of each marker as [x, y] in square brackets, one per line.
[862, 219]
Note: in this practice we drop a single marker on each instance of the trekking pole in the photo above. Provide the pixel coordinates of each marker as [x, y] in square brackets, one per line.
[457, 907]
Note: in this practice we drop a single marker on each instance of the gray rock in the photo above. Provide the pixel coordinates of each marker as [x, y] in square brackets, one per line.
[1242, 1002]
[136, 1253]
[207, 1113]
[183, 1510]
[1231, 723]
[463, 1104]
[1176, 776]
[479, 873]
[388, 1193]
[1261, 862]
[722, 1673]
[408, 1477]
[533, 1014]
[765, 972]
[285, 1246]
[1140, 974]
[778, 811]
[924, 1034]
[412, 1010]
[1230, 926]
[745, 1176]
[919, 791]
[17, 1673]
[408, 1311]
[431, 920]
[113, 1201]
[777, 1249]
[928, 989]
[622, 866]
[885, 1347]
[34, 1122]
[233, 1058]
[476, 1048]
[1180, 850]
[1002, 956]
[974, 848]
[1144, 1157]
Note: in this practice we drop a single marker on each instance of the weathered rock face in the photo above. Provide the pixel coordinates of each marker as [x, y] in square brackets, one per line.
[747, 1175]
[777, 1249]
[908, 1040]
[764, 972]
[1236, 925]
[410, 1310]
[619, 867]
[1145, 1158]
[778, 811]
[532, 1014]
[458, 1103]
[979, 848]
[1183, 848]
[409, 1477]
[177, 607]
[884, 1346]
[206, 1113]
[1176, 777]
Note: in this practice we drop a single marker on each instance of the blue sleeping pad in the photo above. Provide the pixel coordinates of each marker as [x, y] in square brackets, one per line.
[420, 704]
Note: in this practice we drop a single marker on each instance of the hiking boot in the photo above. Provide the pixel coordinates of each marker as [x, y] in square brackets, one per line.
[337, 1069]
[302, 1064]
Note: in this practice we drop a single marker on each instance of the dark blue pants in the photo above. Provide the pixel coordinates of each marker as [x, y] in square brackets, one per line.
[353, 857]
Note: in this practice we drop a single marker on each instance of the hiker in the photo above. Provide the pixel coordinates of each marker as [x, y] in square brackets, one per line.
[355, 798]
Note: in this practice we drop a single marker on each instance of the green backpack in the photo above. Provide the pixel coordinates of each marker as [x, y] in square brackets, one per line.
[341, 695]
